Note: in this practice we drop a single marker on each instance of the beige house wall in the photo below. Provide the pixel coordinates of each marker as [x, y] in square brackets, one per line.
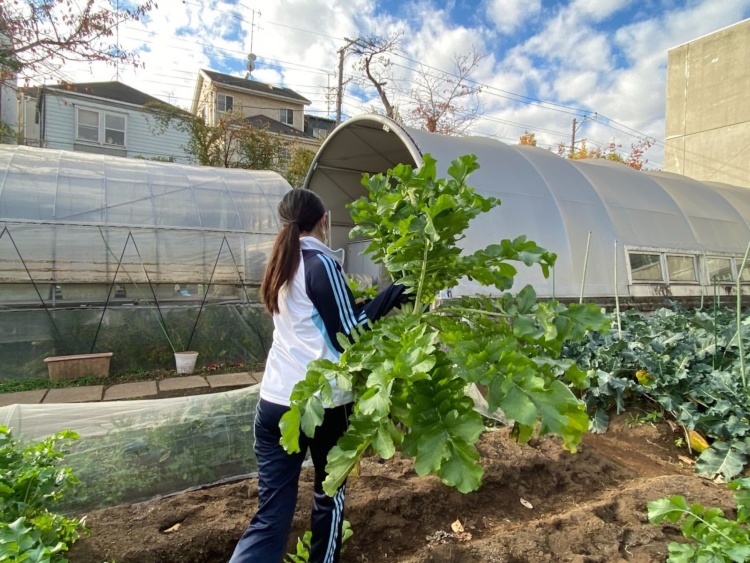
[248, 104]
[708, 107]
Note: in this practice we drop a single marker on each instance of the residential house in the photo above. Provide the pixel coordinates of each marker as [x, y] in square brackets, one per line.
[319, 127]
[281, 111]
[97, 117]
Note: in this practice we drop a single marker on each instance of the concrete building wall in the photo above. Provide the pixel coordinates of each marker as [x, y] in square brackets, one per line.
[708, 107]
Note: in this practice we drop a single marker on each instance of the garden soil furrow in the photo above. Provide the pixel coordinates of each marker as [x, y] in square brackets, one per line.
[585, 507]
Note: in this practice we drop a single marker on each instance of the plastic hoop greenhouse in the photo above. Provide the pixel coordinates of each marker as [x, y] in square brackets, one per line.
[134, 257]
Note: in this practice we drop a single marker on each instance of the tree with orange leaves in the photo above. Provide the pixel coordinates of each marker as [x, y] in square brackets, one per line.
[527, 139]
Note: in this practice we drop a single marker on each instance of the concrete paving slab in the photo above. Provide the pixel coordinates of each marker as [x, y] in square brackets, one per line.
[22, 397]
[226, 381]
[86, 394]
[258, 376]
[137, 390]
[182, 386]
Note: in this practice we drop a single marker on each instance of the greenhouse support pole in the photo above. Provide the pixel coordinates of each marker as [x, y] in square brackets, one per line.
[553, 281]
[109, 294]
[205, 293]
[585, 265]
[239, 275]
[617, 298]
[158, 316]
[739, 316]
[31, 279]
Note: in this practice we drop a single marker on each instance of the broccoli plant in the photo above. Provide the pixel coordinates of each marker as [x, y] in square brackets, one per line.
[409, 372]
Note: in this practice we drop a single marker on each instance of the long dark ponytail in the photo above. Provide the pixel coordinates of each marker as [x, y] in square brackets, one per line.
[299, 211]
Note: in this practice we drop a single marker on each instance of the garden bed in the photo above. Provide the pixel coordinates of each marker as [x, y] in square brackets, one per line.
[587, 507]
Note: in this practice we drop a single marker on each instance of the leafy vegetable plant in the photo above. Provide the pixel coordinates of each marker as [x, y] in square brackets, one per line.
[302, 553]
[31, 478]
[714, 537]
[686, 362]
[409, 372]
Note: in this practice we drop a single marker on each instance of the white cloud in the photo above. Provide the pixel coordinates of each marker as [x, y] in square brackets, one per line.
[598, 10]
[509, 15]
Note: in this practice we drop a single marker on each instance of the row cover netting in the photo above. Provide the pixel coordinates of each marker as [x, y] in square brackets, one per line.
[131, 451]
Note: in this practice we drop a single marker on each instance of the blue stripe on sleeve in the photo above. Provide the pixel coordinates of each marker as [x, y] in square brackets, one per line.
[342, 301]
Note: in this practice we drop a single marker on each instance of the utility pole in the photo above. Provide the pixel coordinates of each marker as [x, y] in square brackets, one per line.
[576, 126]
[340, 89]
[573, 139]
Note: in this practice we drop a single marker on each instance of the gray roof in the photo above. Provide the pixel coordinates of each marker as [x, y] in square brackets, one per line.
[115, 91]
[273, 126]
[254, 86]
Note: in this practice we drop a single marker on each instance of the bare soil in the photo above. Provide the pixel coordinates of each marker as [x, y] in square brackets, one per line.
[538, 503]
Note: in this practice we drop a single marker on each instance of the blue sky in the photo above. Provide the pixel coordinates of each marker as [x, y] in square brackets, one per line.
[546, 62]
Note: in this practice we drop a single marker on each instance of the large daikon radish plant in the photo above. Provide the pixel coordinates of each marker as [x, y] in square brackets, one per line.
[409, 372]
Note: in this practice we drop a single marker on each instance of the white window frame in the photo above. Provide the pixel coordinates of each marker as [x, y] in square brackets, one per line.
[219, 102]
[286, 113]
[101, 120]
[662, 266]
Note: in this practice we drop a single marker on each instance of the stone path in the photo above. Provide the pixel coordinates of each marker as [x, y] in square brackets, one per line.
[172, 387]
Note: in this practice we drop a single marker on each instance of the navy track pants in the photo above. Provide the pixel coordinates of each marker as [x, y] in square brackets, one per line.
[265, 539]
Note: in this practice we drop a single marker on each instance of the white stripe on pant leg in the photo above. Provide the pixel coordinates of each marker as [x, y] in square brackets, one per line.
[338, 501]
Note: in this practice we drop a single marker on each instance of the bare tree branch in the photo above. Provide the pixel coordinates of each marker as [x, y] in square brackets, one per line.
[34, 33]
[445, 102]
[374, 62]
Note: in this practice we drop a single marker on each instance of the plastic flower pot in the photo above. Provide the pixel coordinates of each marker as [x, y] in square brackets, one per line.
[185, 361]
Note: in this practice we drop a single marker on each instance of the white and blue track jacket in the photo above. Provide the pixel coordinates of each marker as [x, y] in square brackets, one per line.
[314, 306]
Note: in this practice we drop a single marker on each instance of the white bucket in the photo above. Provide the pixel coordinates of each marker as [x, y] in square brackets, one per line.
[185, 361]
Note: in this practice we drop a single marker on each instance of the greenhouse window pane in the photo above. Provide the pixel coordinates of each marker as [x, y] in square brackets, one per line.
[719, 269]
[745, 275]
[646, 267]
[681, 268]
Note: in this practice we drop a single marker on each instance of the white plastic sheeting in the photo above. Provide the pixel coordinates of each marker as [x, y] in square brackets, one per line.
[70, 213]
[554, 201]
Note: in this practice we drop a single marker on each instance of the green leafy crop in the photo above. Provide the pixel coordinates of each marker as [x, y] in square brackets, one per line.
[409, 372]
[714, 537]
[30, 480]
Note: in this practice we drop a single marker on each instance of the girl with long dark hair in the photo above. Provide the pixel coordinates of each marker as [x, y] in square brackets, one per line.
[305, 290]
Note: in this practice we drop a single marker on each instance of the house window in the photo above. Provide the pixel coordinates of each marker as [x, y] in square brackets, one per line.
[225, 102]
[282, 158]
[719, 269]
[114, 129]
[681, 268]
[286, 116]
[88, 125]
[645, 267]
[101, 127]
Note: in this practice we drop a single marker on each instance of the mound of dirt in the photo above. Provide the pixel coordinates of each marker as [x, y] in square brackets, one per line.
[538, 503]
